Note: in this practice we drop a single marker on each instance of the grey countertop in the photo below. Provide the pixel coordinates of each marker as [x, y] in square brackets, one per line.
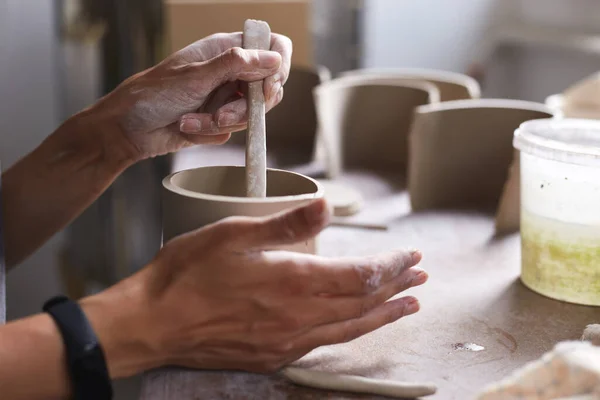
[473, 296]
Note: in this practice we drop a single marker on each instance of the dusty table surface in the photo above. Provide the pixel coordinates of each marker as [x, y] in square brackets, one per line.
[473, 296]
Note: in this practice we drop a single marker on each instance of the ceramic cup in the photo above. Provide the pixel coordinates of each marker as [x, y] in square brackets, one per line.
[198, 197]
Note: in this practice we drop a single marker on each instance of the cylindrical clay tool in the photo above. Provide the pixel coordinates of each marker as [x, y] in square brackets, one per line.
[257, 36]
[357, 384]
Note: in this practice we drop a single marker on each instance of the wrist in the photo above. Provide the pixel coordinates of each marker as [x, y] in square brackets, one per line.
[105, 137]
[123, 322]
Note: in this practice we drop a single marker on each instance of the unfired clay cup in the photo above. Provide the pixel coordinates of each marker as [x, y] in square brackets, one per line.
[198, 197]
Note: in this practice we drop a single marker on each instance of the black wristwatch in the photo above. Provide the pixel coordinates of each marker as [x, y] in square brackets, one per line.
[85, 358]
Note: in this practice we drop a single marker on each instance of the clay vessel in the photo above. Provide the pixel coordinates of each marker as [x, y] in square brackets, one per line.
[197, 197]
[452, 85]
[365, 121]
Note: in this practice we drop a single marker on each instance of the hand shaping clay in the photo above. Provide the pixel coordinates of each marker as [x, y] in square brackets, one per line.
[357, 384]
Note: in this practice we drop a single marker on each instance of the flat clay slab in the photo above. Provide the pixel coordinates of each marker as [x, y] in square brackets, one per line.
[461, 151]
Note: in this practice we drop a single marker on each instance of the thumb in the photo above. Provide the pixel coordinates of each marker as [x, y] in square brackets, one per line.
[288, 227]
[239, 64]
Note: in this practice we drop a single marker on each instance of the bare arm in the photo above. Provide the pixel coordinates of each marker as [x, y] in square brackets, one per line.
[33, 357]
[49, 187]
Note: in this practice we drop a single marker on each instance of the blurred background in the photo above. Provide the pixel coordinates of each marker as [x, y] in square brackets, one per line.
[59, 56]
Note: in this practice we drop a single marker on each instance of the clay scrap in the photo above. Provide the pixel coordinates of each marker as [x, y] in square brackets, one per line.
[592, 334]
[571, 371]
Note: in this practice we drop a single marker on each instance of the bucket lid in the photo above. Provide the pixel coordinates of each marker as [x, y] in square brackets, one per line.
[574, 141]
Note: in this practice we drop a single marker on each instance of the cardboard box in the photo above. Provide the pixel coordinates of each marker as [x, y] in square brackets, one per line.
[190, 20]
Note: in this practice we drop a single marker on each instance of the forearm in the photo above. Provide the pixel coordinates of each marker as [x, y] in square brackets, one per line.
[52, 185]
[32, 355]
[33, 364]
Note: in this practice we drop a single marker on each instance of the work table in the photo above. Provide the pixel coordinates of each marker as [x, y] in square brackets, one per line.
[474, 296]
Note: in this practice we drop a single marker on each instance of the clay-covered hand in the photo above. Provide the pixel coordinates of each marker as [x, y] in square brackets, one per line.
[215, 299]
[195, 96]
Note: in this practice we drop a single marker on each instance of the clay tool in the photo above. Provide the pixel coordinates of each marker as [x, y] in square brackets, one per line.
[357, 384]
[257, 36]
[358, 225]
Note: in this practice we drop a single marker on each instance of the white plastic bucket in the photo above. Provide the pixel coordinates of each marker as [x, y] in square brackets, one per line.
[560, 208]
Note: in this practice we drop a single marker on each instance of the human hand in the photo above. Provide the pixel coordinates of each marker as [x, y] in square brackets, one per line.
[194, 96]
[214, 299]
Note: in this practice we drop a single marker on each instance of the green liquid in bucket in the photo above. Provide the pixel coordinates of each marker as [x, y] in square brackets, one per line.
[561, 260]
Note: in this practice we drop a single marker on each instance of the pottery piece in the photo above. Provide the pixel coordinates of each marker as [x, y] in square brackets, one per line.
[199, 197]
[508, 213]
[345, 199]
[461, 151]
[452, 85]
[365, 124]
[292, 125]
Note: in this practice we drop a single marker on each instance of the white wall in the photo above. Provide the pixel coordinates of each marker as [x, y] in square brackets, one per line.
[441, 34]
[450, 34]
[28, 113]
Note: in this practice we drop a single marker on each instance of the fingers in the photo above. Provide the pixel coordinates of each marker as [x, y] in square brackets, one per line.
[226, 93]
[239, 64]
[215, 44]
[273, 85]
[232, 113]
[207, 139]
[236, 112]
[341, 332]
[285, 228]
[349, 307]
[203, 124]
[195, 123]
[349, 276]
[228, 118]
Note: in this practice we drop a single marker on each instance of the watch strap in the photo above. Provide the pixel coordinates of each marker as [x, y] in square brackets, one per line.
[86, 363]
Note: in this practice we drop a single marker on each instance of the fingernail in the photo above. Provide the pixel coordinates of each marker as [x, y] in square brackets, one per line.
[190, 125]
[419, 277]
[415, 256]
[269, 59]
[412, 306]
[316, 213]
[275, 90]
